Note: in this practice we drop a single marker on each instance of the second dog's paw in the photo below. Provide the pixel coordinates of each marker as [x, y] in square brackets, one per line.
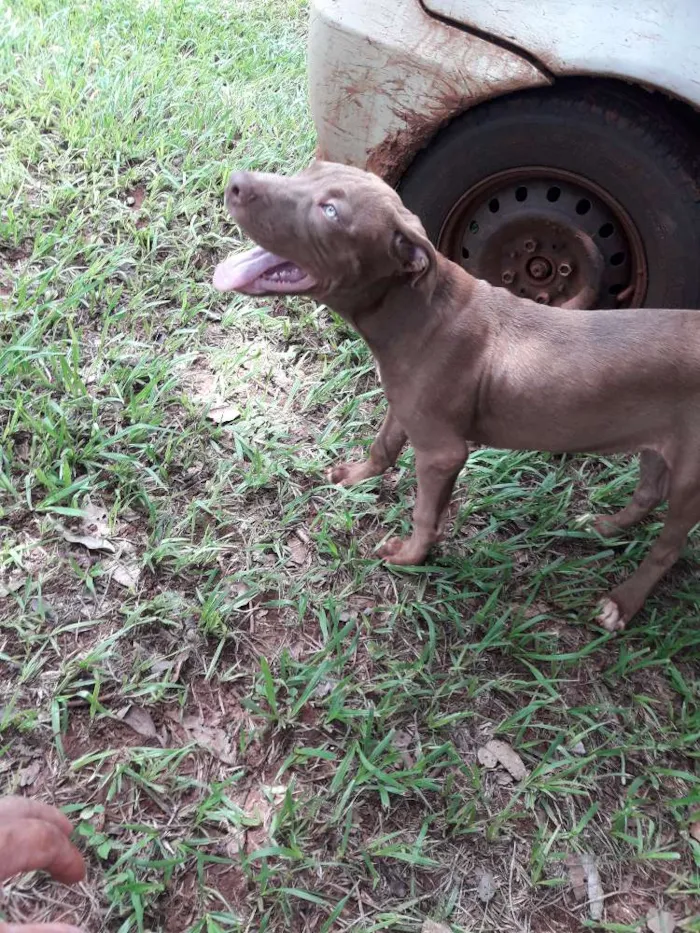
[610, 616]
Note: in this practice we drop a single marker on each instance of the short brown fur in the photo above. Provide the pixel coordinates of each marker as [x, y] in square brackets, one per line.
[463, 363]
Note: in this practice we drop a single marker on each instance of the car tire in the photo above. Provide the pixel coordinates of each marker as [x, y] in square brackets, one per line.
[639, 160]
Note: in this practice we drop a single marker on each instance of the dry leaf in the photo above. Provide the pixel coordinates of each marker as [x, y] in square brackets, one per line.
[298, 550]
[10, 586]
[140, 721]
[223, 414]
[28, 775]
[240, 593]
[93, 532]
[505, 756]
[430, 926]
[486, 887]
[124, 572]
[487, 759]
[577, 876]
[92, 542]
[595, 888]
[694, 830]
[403, 742]
[94, 517]
[323, 688]
[661, 921]
[213, 739]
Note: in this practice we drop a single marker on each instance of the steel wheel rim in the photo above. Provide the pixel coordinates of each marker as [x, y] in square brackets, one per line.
[549, 235]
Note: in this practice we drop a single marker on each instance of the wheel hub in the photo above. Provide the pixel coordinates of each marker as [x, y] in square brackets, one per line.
[549, 236]
[539, 269]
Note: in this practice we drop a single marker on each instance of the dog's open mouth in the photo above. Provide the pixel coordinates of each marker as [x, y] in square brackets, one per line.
[258, 272]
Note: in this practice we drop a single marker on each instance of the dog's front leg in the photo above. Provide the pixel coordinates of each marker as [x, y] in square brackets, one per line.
[382, 454]
[437, 471]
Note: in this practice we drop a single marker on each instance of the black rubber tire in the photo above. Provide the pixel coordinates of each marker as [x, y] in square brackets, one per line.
[646, 161]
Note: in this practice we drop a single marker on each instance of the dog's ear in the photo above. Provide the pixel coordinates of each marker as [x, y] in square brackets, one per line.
[413, 251]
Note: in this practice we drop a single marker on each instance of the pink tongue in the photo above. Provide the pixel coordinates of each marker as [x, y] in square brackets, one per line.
[242, 269]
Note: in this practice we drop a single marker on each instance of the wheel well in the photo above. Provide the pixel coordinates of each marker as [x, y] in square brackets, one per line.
[681, 115]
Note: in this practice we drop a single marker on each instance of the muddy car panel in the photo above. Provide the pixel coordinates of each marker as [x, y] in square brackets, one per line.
[384, 77]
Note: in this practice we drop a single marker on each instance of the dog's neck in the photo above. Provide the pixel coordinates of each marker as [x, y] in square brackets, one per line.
[392, 316]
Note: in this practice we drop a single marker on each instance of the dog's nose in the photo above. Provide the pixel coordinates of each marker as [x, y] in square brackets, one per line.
[240, 190]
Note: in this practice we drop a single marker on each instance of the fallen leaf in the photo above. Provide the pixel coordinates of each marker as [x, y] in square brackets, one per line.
[41, 608]
[28, 775]
[661, 921]
[213, 739]
[11, 586]
[694, 830]
[203, 383]
[595, 888]
[93, 532]
[506, 757]
[323, 688]
[124, 572]
[430, 926]
[234, 843]
[577, 876]
[223, 414]
[487, 758]
[298, 550]
[486, 888]
[140, 721]
[240, 593]
[91, 542]
[403, 742]
[94, 519]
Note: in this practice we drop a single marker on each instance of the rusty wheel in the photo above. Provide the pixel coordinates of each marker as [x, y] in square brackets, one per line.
[583, 194]
[550, 236]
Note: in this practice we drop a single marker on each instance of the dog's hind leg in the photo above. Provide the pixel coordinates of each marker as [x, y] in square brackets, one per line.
[683, 514]
[651, 490]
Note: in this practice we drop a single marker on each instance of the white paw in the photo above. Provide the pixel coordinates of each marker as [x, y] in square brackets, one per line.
[610, 617]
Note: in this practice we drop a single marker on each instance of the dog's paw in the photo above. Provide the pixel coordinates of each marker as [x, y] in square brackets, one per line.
[347, 474]
[604, 526]
[400, 552]
[610, 616]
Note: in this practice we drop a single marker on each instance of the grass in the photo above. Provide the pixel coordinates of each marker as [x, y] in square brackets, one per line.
[255, 725]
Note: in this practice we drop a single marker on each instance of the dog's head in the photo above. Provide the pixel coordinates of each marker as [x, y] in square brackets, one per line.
[330, 231]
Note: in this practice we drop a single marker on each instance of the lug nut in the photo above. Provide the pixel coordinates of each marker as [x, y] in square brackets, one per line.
[530, 246]
[542, 298]
[507, 277]
[565, 269]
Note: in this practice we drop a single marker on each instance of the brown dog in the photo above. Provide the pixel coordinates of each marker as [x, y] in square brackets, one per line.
[462, 361]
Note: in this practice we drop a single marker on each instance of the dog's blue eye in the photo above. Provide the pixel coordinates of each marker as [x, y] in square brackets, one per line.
[330, 212]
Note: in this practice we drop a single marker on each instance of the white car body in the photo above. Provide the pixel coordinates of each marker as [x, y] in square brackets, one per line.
[386, 75]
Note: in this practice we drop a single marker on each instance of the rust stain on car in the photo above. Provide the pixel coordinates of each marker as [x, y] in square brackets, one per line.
[448, 97]
[394, 154]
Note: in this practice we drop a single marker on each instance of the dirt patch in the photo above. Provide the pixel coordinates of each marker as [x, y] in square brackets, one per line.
[134, 197]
